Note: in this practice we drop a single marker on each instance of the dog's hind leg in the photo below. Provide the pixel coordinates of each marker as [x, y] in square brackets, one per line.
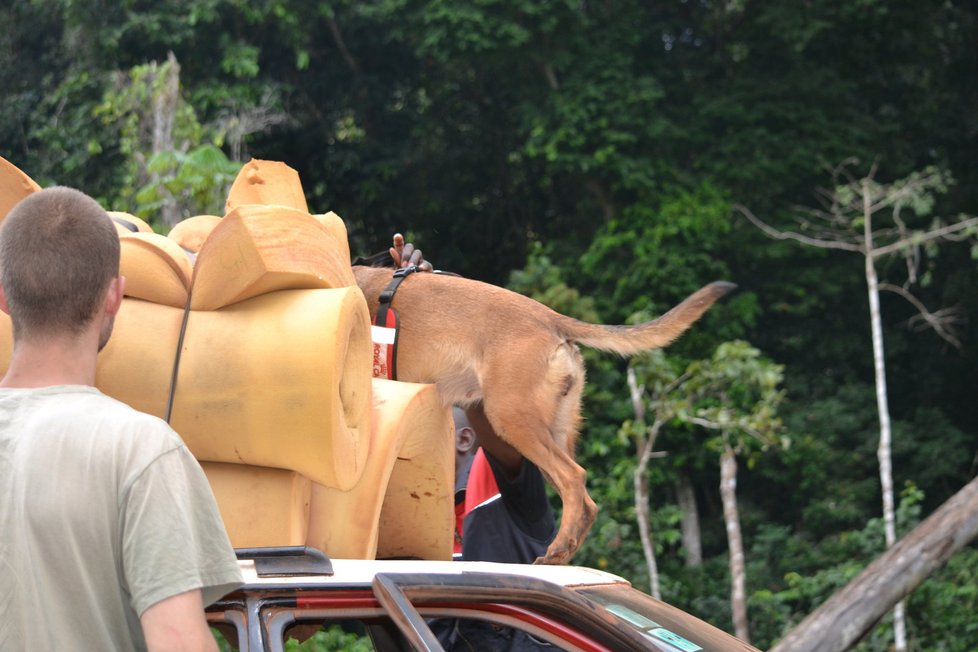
[531, 437]
[541, 424]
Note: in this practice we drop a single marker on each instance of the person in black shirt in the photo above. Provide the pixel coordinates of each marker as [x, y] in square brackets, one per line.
[502, 514]
[500, 496]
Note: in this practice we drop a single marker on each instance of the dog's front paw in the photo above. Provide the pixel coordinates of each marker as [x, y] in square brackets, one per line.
[556, 556]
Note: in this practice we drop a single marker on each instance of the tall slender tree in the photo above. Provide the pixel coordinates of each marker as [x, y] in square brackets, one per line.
[846, 222]
[735, 393]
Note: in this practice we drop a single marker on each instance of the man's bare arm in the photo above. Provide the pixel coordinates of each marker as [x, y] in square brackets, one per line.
[501, 450]
[177, 624]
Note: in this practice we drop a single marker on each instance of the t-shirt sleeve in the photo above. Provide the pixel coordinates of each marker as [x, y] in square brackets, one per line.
[173, 538]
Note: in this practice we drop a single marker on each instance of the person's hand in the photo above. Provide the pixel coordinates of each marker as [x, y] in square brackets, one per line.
[405, 255]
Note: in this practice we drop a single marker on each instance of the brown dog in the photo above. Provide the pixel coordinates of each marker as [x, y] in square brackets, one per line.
[480, 342]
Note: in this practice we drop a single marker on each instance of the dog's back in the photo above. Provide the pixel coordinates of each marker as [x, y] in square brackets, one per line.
[498, 316]
[479, 342]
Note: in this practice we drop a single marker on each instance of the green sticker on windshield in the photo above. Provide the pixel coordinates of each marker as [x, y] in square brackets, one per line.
[631, 616]
[675, 640]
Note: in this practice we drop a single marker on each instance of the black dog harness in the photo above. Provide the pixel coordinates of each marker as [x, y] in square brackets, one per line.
[385, 327]
[386, 323]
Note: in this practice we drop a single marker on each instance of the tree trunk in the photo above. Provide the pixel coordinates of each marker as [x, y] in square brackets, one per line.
[854, 610]
[735, 544]
[644, 446]
[692, 541]
[642, 514]
[166, 98]
[882, 403]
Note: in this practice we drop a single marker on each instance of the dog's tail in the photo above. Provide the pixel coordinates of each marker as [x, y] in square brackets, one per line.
[629, 340]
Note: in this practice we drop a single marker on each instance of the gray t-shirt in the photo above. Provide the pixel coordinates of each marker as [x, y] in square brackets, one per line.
[103, 513]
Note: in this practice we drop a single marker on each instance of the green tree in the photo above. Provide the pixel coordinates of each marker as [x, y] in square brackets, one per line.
[735, 393]
[847, 223]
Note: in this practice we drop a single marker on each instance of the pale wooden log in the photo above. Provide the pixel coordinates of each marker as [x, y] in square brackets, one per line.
[854, 610]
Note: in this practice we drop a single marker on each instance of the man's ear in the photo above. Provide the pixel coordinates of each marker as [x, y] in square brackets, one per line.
[113, 297]
[4, 306]
[465, 440]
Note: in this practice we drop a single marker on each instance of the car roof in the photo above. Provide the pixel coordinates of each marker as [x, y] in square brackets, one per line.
[294, 572]
[361, 572]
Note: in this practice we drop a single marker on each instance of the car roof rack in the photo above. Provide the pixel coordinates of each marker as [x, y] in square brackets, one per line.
[287, 561]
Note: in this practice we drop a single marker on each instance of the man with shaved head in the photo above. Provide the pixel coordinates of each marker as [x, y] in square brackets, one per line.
[110, 538]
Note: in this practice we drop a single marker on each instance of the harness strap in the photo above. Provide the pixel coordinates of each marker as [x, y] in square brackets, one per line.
[385, 327]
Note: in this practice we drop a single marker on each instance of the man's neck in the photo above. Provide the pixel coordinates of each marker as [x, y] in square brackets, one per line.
[52, 361]
[463, 466]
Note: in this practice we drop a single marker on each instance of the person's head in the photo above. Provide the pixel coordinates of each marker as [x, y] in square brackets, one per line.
[466, 442]
[59, 254]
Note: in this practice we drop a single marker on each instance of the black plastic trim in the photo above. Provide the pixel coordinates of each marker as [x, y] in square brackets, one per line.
[287, 561]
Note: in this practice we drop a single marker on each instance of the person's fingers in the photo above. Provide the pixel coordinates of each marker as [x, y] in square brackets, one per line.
[398, 249]
[417, 259]
[408, 255]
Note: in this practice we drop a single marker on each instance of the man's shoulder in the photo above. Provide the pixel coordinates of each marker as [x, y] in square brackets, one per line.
[115, 419]
[83, 402]
[123, 413]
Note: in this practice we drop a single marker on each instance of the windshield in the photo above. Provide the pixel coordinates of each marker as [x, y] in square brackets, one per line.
[669, 628]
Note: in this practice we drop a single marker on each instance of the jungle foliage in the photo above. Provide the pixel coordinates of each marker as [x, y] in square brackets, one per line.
[589, 154]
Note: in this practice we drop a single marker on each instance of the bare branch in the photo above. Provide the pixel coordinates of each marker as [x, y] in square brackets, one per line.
[668, 389]
[705, 423]
[942, 321]
[913, 259]
[789, 235]
[920, 238]
[949, 317]
[549, 75]
[959, 236]
[635, 391]
[713, 425]
[893, 198]
[831, 226]
[909, 187]
[901, 225]
[842, 170]
[873, 168]
[351, 62]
